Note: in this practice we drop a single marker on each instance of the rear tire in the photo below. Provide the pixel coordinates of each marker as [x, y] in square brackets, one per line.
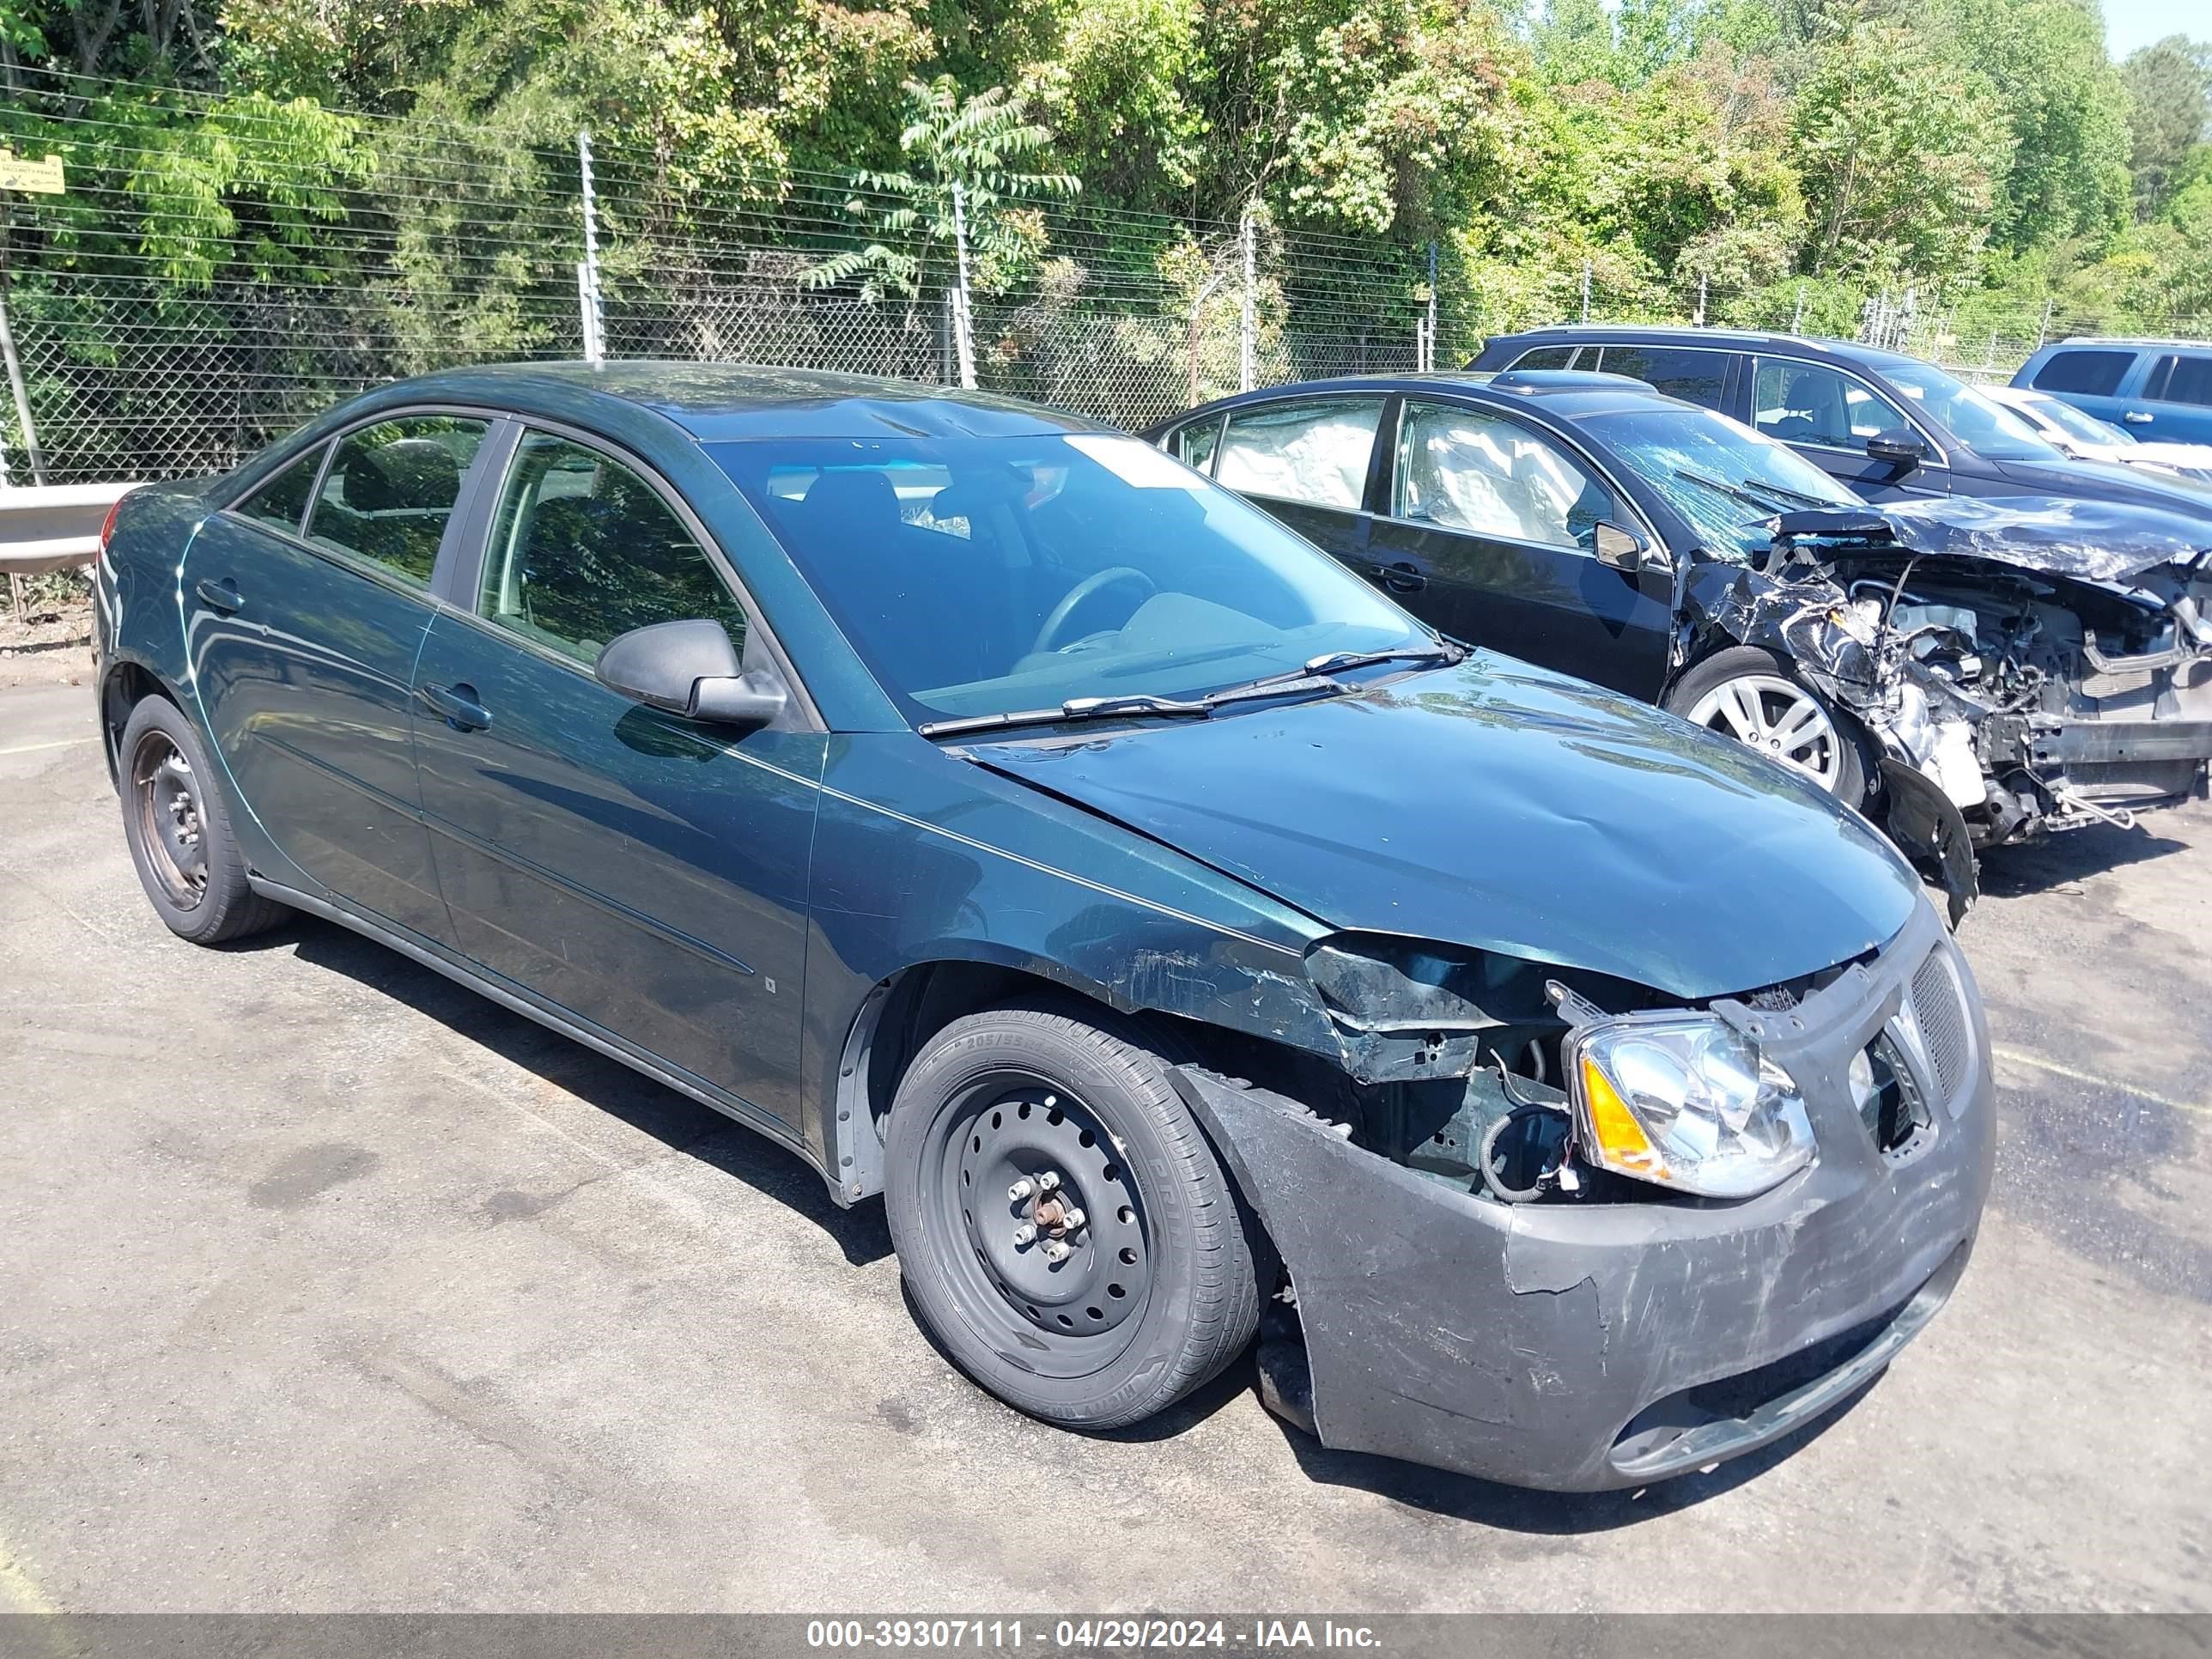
[178, 824]
[1157, 1290]
[1757, 698]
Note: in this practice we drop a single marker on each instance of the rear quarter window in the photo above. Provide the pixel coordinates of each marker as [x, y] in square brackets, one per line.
[2086, 373]
[2182, 380]
[1547, 357]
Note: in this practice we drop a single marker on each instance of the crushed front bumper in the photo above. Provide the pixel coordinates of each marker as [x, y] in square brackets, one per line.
[1582, 1346]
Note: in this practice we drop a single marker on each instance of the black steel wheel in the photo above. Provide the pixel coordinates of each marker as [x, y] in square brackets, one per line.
[178, 824]
[164, 792]
[1065, 1231]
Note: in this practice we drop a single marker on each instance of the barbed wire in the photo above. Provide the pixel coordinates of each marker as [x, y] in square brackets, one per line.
[162, 334]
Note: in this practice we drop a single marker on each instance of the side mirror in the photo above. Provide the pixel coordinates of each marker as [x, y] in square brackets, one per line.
[691, 669]
[1897, 448]
[1623, 550]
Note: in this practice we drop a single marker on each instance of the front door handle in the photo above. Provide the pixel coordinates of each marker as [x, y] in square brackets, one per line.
[2136, 417]
[459, 704]
[1402, 577]
[222, 596]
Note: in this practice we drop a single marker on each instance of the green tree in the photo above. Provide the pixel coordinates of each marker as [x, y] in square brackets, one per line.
[2169, 86]
[959, 153]
[2063, 105]
[1901, 150]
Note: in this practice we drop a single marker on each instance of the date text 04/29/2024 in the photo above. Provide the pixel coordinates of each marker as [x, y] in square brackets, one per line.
[1090, 1635]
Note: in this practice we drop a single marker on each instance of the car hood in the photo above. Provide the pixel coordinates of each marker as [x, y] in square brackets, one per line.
[2053, 535]
[1502, 807]
[2107, 481]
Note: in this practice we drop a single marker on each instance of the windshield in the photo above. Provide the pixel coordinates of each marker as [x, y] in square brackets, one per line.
[1982, 424]
[1727, 480]
[2082, 428]
[984, 576]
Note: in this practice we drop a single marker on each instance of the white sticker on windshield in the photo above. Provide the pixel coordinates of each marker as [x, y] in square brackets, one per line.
[1133, 461]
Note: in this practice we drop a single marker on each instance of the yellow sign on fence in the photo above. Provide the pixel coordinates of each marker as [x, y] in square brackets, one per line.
[22, 172]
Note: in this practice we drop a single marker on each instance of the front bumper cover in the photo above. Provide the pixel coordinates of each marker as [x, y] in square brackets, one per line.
[1582, 1347]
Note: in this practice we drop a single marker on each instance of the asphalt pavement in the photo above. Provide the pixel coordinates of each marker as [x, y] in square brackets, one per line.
[329, 1285]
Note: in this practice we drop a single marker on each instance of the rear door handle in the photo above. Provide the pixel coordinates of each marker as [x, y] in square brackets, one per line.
[1402, 577]
[2136, 417]
[459, 704]
[221, 596]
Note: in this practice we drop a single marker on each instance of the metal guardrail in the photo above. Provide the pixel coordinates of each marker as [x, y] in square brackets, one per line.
[52, 527]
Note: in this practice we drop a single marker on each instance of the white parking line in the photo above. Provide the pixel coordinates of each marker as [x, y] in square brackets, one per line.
[2021, 1057]
[18, 1591]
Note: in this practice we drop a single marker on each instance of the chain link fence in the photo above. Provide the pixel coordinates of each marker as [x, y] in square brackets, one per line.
[217, 271]
[187, 299]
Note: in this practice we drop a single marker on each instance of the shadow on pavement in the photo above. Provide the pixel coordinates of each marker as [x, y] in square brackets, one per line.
[675, 1119]
[2039, 866]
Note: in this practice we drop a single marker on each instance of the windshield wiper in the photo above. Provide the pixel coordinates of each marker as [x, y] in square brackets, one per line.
[1736, 492]
[1310, 676]
[1797, 495]
[1075, 708]
[1335, 662]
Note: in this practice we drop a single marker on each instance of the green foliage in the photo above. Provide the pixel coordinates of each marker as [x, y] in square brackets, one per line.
[1900, 148]
[1774, 159]
[2169, 87]
[960, 153]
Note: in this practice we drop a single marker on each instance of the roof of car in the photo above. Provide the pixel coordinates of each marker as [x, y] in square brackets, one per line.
[2135, 344]
[718, 401]
[1637, 333]
[1570, 393]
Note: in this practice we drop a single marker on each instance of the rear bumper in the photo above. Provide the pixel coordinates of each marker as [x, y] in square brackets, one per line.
[1583, 1346]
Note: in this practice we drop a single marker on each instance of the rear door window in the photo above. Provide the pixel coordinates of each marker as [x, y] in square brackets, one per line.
[2085, 374]
[2181, 379]
[1694, 376]
[390, 488]
[1315, 452]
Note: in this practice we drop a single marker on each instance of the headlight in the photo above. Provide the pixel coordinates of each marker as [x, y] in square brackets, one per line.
[1685, 1102]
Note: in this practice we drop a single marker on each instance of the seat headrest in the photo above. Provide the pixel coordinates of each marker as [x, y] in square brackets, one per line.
[413, 473]
[855, 495]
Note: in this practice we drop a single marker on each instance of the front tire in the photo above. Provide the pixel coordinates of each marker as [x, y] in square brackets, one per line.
[178, 824]
[1756, 698]
[1006, 1122]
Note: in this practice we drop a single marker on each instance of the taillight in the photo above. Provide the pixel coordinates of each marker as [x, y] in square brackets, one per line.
[107, 530]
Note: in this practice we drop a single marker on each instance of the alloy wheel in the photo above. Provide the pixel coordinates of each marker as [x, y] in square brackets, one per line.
[1779, 719]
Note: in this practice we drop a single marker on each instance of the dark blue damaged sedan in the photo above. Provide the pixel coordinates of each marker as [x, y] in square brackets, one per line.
[1188, 945]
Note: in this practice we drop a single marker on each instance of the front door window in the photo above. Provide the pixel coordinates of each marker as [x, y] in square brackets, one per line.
[584, 548]
[1460, 469]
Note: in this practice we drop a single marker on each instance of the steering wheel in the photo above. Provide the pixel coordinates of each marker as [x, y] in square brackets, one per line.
[1083, 590]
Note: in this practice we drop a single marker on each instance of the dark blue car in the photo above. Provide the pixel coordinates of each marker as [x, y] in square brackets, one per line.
[1889, 426]
[1012, 822]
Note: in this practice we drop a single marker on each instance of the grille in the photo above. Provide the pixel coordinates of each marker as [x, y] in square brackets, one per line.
[1940, 1011]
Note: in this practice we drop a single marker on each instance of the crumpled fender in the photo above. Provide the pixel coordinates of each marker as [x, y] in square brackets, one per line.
[1922, 821]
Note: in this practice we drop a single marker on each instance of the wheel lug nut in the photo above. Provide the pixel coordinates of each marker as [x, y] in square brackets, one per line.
[1025, 1234]
[1054, 1251]
[1073, 1220]
[1020, 1190]
[1049, 1182]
